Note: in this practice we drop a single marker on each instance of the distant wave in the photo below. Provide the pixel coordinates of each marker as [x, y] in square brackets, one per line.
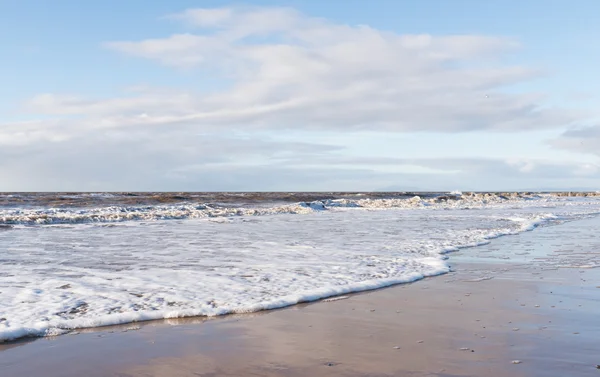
[112, 214]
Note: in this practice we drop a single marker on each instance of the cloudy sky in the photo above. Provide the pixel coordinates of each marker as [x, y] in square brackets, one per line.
[299, 95]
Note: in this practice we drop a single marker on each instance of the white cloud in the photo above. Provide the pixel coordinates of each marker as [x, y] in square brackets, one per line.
[286, 71]
[205, 17]
[584, 140]
[158, 160]
[183, 160]
[291, 71]
[466, 168]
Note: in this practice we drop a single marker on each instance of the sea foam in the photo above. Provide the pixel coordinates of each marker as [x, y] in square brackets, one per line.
[112, 214]
[64, 269]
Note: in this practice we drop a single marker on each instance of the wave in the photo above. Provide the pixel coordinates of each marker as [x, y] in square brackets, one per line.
[55, 328]
[112, 214]
[87, 311]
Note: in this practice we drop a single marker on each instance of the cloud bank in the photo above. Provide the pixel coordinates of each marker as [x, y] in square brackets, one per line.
[580, 140]
[281, 71]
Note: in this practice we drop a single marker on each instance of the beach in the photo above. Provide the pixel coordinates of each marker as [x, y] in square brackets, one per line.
[523, 305]
[299, 189]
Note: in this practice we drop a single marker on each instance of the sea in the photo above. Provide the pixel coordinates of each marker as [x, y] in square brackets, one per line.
[78, 260]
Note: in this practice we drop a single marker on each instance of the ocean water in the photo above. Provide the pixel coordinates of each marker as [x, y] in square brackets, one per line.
[70, 261]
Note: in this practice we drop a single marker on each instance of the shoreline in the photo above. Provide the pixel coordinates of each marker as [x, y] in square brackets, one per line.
[431, 321]
[357, 288]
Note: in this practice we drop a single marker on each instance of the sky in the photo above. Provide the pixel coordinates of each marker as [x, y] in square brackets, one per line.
[299, 95]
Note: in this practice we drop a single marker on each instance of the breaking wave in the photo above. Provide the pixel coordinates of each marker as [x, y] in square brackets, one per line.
[111, 214]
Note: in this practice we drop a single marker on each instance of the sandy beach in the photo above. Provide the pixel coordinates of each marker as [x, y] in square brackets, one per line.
[299, 188]
[502, 311]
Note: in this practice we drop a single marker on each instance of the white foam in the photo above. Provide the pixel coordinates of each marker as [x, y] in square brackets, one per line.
[54, 279]
[112, 214]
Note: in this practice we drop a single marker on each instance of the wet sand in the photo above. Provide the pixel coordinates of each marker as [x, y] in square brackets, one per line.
[503, 302]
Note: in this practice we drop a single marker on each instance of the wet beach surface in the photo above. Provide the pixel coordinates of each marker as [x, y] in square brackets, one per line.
[524, 305]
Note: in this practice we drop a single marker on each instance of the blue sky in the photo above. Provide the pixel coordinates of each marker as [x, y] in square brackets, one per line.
[299, 95]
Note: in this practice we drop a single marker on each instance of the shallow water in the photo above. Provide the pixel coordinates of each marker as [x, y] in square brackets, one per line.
[57, 277]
